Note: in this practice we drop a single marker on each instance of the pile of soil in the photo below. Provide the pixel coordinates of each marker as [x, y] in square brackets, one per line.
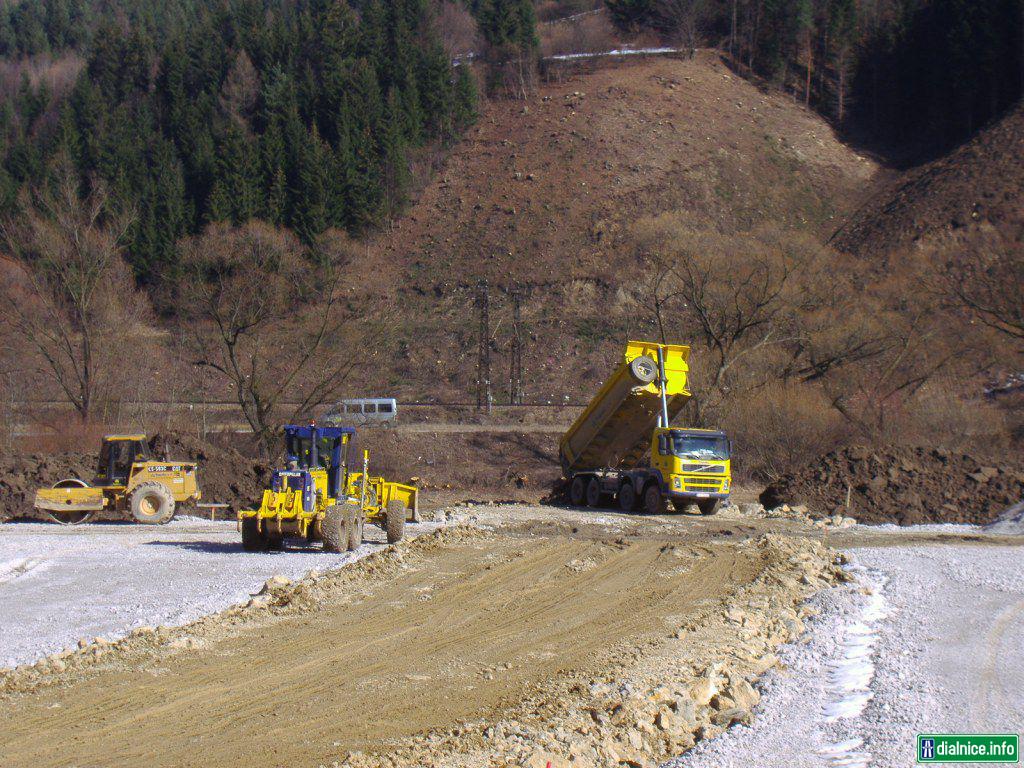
[225, 474]
[908, 486]
[20, 476]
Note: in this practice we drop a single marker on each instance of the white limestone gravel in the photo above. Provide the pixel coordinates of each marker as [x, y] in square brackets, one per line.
[930, 639]
[60, 584]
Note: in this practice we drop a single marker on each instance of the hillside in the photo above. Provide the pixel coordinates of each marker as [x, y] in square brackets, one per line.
[973, 192]
[543, 192]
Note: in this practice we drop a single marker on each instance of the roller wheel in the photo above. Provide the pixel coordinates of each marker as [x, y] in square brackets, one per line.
[627, 497]
[71, 517]
[594, 492]
[253, 539]
[708, 506]
[654, 500]
[394, 521]
[152, 503]
[333, 530]
[577, 491]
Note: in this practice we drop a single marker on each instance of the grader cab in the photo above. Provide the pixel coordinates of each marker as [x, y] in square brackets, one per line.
[319, 497]
[127, 480]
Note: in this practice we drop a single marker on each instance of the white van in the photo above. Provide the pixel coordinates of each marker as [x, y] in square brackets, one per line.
[363, 411]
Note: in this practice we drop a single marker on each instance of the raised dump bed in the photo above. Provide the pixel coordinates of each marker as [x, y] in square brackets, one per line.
[621, 447]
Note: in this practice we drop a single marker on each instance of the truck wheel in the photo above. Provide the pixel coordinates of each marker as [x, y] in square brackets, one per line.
[594, 492]
[355, 517]
[654, 501]
[152, 503]
[627, 497]
[394, 521]
[332, 529]
[577, 491]
[253, 539]
[708, 506]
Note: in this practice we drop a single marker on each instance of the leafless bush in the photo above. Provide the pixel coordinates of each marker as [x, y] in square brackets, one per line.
[781, 427]
[588, 34]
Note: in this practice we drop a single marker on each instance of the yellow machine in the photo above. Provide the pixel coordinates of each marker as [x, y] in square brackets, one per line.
[318, 498]
[127, 479]
[622, 446]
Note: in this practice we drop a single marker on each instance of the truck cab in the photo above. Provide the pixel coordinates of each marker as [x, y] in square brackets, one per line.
[693, 465]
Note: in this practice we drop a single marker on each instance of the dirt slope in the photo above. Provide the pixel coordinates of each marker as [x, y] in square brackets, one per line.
[973, 192]
[457, 633]
[541, 192]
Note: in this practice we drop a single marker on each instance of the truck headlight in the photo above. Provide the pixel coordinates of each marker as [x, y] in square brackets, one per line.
[677, 483]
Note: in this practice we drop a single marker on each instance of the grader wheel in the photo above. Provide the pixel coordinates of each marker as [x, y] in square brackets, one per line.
[151, 502]
[333, 529]
[355, 528]
[394, 521]
[253, 539]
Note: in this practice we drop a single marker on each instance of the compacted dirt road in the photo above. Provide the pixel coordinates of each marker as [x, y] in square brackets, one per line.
[458, 631]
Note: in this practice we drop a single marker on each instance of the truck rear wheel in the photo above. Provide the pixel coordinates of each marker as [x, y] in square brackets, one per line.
[332, 529]
[708, 506]
[594, 492]
[654, 500]
[627, 497]
[577, 491]
[253, 539]
[151, 502]
[394, 521]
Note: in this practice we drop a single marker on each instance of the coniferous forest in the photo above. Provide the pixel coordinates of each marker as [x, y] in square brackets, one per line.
[300, 113]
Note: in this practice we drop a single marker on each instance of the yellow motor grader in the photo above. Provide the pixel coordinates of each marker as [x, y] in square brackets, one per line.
[319, 498]
[127, 480]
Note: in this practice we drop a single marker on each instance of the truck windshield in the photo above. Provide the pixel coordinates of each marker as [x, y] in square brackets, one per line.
[700, 447]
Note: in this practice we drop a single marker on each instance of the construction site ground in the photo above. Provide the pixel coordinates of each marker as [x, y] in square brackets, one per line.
[508, 635]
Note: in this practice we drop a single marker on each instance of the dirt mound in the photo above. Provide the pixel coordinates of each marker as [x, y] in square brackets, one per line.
[20, 476]
[225, 474]
[908, 486]
[965, 195]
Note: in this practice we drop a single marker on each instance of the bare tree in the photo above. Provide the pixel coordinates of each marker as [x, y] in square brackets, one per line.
[269, 318]
[70, 294]
[681, 20]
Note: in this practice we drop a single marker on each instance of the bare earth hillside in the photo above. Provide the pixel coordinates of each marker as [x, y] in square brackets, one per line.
[972, 193]
[541, 192]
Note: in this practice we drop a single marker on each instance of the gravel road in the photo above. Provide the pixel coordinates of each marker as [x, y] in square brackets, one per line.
[59, 584]
[930, 639]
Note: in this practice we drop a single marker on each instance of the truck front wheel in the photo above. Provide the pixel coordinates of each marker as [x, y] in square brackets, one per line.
[577, 489]
[708, 506]
[654, 501]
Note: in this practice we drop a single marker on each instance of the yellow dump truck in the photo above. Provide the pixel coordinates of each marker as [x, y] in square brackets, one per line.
[623, 449]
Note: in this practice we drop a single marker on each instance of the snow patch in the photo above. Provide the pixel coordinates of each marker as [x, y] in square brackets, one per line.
[849, 678]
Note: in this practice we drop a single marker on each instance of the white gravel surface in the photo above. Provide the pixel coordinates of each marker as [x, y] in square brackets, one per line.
[930, 639]
[59, 584]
